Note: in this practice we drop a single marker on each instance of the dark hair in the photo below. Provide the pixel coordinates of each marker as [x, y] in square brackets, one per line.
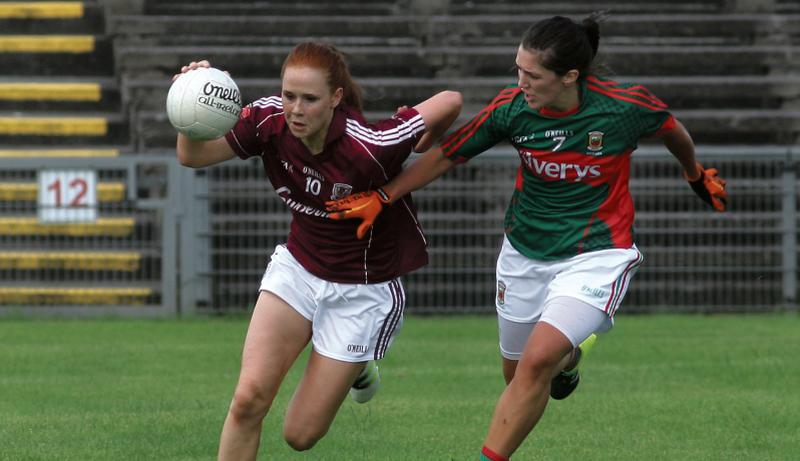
[564, 43]
[328, 58]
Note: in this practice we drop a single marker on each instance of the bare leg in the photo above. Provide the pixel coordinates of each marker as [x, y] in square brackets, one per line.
[276, 336]
[523, 401]
[319, 395]
[510, 366]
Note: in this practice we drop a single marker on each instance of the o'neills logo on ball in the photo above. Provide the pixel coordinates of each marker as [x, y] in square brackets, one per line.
[221, 99]
[228, 94]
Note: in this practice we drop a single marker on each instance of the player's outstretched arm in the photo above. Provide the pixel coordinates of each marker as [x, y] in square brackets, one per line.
[704, 182]
[439, 112]
[367, 205]
[419, 173]
[199, 154]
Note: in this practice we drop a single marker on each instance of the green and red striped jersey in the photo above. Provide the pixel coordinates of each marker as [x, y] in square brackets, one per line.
[571, 193]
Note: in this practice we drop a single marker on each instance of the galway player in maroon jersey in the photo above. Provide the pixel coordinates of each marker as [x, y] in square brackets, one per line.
[324, 285]
[568, 254]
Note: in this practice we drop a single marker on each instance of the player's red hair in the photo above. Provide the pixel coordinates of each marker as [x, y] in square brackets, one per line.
[328, 58]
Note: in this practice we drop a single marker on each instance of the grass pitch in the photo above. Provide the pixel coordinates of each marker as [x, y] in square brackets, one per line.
[655, 388]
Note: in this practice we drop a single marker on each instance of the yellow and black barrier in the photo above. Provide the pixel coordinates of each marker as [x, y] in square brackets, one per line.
[26, 192]
[108, 227]
[53, 126]
[71, 260]
[42, 91]
[41, 10]
[82, 296]
[47, 43]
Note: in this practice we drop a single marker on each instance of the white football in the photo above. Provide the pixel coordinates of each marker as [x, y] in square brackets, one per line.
[204, 103]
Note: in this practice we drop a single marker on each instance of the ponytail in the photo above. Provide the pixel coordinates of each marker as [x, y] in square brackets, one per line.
[565, 44]
[592, 30]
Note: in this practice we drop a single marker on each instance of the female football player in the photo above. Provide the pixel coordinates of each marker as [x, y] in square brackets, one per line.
[324, 286]
[568, 253]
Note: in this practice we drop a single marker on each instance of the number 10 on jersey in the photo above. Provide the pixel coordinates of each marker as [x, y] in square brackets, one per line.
[67, 196]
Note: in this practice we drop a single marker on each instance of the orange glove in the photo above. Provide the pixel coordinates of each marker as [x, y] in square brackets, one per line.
[709, 187]
[363, 205]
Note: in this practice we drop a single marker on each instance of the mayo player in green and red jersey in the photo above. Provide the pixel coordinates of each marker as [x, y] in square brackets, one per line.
[568, 253]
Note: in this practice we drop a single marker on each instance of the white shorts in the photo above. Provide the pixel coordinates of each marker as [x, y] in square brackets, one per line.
[350, 322]
[528, 288]
[575, 319]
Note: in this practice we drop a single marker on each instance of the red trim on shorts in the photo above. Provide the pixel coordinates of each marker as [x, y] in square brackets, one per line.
[613, 301]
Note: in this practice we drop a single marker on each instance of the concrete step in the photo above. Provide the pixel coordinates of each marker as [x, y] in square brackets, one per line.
[646, 29]
[722, 126]
[446, 29]
[628, 60]
[215, 8]
[787, 6]
[272, 40]
[709, 92]
[742, 126]
[460, 61]
[583, 8]
[735, 27]
[287, 25]
[264, 60]
[398, 7]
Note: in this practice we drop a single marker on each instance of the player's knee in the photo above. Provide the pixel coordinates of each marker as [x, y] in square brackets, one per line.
[301, 439]
[249, 403]
[535, 368]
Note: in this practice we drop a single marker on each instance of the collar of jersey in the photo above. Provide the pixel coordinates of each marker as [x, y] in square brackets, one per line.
[338, 124]
[559, 114]
[566, 113]
[335, 131]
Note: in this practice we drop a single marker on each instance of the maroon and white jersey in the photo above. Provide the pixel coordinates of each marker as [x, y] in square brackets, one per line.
[358, 156]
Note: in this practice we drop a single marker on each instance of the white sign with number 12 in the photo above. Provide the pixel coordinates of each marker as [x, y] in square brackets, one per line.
[67, 196]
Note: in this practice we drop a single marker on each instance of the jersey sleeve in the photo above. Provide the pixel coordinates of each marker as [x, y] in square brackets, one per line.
[483, 131]
[652, 114]
[244, 137]
[668, 124]
[394, 137]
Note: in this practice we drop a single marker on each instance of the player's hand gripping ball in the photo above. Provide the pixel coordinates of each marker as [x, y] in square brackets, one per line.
[204, 103]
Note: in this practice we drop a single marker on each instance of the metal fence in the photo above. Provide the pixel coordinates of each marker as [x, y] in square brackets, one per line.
[695, 260]
[170, 240]
[123, 260]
